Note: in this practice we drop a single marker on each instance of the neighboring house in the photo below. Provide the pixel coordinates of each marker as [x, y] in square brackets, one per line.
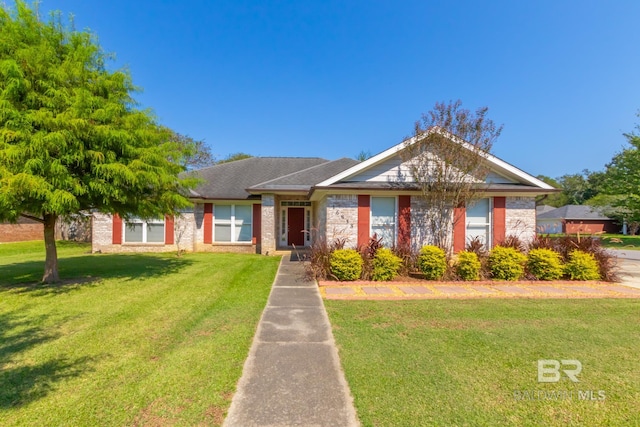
[263, 204]
[572, 219]
[74, 227]
[24, 229]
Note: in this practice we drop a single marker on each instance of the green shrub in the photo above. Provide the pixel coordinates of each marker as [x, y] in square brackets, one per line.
[346, 264]
[468, 266]
[506, 263]
[385, 265]
[432, 262]
[545, 264]
[582, 266]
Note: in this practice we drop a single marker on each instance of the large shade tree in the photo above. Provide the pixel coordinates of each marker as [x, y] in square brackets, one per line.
[621, 184]
[72, 137]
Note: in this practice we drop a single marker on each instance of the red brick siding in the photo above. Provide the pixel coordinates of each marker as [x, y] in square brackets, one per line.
[364, 215]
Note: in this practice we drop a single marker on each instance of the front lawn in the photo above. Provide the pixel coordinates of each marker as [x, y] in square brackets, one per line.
[475, 362]
[135, 339]
[620, 241]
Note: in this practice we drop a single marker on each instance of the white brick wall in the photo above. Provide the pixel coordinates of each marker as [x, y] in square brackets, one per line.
[521, 217]
[342, 218]
[269, 237]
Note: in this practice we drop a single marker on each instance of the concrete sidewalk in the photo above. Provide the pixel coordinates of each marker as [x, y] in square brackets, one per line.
[292, 376]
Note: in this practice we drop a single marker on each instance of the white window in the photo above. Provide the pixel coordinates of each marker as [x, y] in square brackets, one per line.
[232, 223]
[479, 222]
[137, 230]
[383, 219]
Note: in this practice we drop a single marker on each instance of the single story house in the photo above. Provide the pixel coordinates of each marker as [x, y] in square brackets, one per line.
[573, 219]
[264, 204]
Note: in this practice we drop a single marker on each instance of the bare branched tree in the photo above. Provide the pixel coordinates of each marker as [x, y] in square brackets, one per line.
[447, 160]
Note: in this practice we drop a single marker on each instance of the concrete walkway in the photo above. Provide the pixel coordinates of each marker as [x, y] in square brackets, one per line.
[292, 376]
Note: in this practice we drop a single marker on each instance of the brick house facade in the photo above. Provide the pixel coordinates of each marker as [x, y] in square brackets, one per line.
[263, 204]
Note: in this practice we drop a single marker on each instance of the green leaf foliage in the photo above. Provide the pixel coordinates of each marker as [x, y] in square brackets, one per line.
[71, 135]
[468, 266]
[506, 263]
[432, 262]
[582, 266]
[545, 264]
[346, 264]
[385, 265]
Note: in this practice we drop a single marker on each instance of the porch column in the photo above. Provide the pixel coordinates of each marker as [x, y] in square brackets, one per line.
[268, 224]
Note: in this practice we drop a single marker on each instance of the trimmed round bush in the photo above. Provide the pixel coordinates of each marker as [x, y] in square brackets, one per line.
[582, 266]
[506, 263]
[385, 265]
[545, 264]
[468, 266]
[346, 264]
[432, 262]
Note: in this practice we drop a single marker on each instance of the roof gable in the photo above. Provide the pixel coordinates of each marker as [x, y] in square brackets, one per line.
[389, 167]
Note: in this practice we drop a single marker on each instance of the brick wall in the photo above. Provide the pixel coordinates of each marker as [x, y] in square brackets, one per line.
[342, 218]
[184, 232]
[520, 218]
[25, 229]
[269, 237]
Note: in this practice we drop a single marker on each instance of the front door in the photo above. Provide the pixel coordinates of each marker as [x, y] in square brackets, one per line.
[295, 231]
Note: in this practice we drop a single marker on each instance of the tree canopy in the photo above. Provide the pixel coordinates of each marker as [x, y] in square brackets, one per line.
[72, 137]
[450, 145]
[621, 183]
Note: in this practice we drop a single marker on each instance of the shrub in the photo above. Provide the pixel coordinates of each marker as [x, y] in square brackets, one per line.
[385, 265]
[368, 252]
[407, 256]
[468, 266]
[514, 242]
[432, 262]
[319, 266]
[582, 266]
[506, 263]
[545, 264]
[566, 244]
[346, 264]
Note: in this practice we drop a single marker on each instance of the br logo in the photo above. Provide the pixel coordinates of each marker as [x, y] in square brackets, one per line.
[549, 370]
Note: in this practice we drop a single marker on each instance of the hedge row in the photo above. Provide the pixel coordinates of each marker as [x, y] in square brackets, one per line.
[501, 263]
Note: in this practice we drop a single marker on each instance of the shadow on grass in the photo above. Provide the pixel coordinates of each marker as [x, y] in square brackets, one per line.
[84, 270]
[22, 383]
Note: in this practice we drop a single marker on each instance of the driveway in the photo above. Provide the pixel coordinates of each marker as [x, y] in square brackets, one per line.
[629, 263]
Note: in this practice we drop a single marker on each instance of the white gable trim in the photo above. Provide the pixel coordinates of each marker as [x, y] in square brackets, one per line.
[496, 164]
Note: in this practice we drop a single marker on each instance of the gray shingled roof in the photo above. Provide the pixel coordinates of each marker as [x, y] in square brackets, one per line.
[540, 209]
[230, 180]
[572, 212]
[307, 178]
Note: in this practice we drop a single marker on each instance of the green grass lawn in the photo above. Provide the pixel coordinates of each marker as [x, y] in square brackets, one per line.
[620, 241]
[135, 339]
[470, 362]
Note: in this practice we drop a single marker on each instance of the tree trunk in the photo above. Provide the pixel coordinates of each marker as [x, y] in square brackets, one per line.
[51, 260]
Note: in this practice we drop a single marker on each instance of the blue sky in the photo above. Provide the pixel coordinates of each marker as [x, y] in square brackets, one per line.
[332, 78]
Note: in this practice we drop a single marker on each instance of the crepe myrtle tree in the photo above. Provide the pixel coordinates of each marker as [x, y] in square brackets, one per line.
[446, 159]
[72, 138]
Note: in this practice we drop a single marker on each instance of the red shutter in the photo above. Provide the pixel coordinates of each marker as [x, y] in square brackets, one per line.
[499, 219]
[116, 237]
[208, 223]
[168, 230]
[257, 223]
[459, 229]
[364, 209]
[404, 221]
